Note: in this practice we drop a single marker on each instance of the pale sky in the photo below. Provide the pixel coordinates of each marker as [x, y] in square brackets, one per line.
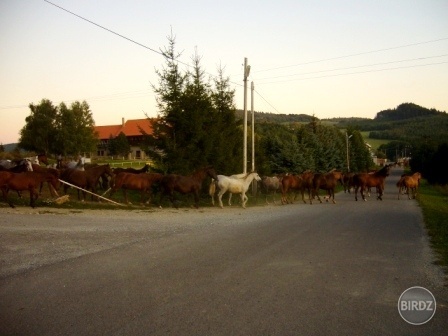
[328, 58]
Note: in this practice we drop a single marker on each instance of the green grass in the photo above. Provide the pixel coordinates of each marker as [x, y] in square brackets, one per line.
[434, 203]
[375, 143]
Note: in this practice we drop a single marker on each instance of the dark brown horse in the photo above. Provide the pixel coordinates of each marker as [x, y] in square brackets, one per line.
[144, 169]
[130, 181]
[26, 181]
[347, 181]
[364, 181]
[297, 183]
[186, 184]
[40, 169]
[328, 182]
[85, 179]
[43, 158]
[291, 183]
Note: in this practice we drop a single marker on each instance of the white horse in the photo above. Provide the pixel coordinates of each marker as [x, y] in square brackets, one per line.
[212, 188]
[17, 165]
[236, 186]
[79, 165]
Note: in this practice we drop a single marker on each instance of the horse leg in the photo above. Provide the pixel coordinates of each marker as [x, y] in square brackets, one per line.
[32, 199]
[332, 195]
[230, 198]
[220, 193]
[5, 197]
[125, 195]
[316, 193]
[302, 190]
[362, 194]
[380, 193]
[244, 199]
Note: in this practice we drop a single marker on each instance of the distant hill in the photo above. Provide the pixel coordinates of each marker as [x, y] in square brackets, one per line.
[9, 147]
[407, 122]
[406, 111]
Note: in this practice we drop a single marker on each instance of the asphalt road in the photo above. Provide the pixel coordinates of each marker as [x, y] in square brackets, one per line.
[297, 269]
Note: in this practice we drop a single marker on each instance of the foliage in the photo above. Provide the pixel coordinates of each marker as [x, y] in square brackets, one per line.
[196, 124]
[74, 129]
[39, 132]
[313, 146]
[119, 145]
[432, 162]
[58, 130]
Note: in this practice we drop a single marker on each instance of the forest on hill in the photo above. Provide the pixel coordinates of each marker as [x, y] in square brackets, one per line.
[411, 130]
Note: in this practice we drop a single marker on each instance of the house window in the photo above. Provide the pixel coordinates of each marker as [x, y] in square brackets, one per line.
[138, 154]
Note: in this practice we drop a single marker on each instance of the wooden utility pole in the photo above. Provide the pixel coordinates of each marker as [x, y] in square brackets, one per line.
[246, 74]
[254, 182]
[253, 124]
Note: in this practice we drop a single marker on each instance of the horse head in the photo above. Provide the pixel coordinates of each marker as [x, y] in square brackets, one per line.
[211, 172]
[255, 175]
[28, 164]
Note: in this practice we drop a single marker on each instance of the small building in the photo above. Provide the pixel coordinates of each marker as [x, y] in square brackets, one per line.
[132, 129]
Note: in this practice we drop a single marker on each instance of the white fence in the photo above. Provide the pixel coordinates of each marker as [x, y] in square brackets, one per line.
[128, 164]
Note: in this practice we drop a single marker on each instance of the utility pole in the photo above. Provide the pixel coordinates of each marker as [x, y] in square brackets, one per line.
[253, 124]
[347, 137]
[254, 183]
[246, 74]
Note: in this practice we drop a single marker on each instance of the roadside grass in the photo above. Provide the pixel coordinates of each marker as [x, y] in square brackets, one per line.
[434, 203]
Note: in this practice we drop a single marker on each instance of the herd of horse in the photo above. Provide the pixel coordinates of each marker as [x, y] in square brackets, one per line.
[24, 175]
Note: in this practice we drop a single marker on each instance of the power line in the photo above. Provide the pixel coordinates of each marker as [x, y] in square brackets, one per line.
[259, 94]
[356, 67]
[355, 73]
[357, 54]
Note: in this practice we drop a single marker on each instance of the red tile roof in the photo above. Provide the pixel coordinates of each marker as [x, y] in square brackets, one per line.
[130, 128]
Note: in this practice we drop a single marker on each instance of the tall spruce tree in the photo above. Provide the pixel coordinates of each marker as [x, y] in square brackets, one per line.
[194, 121]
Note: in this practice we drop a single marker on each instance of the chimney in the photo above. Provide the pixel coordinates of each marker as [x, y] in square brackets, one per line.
[122, 122]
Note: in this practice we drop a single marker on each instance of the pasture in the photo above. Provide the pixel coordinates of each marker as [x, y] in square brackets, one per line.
[375, 143]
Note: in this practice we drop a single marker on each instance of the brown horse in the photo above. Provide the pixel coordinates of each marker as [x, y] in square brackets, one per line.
[368, 180]
[144, 169]
[43, 158]
[347, 181]
[186, 184]
[85, 179]
[326, 182]
[291, 182]
[410, 183]
[40, 169]
[130, 181]
[26, 181]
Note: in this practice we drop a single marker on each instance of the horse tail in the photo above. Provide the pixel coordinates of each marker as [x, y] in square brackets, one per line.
[212, 190]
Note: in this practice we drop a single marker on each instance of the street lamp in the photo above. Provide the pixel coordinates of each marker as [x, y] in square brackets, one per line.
[347, 137]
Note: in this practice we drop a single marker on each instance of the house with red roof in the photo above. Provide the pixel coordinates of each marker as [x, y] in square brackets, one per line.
[133, 131]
